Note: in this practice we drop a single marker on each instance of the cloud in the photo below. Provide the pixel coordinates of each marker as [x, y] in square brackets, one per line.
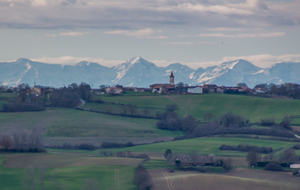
[69, 60]
[143, 33]
[132, 14]
[67, 34]
[188, 43]
[257, 35]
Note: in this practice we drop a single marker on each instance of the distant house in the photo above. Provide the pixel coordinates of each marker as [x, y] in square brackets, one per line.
[295, 165]
[113, 90]
[210, 88]
[195, 89]
[164, 88]
[36, 91]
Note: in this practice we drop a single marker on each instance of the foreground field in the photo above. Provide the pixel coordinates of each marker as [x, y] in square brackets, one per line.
[115, 174]
[209, 145]
[247, 180]
[197, 105]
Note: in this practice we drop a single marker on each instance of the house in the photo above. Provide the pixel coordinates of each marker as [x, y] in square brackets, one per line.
[113, 90]
[210, 88]
[164, 88]
[36, 91]
[295, 165]
[195, 89]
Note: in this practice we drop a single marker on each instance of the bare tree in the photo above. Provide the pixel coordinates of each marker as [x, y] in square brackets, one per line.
[41, 175]
[288, 156]
[124, 110]
[90, 184]
[194, 157]
[208, 117]
[6, 142]
[252, 158]
[29, 181]
[146, 112]
[171, 107]
[132, 109]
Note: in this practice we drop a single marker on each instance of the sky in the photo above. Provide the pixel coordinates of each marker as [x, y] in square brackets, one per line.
[197, 33]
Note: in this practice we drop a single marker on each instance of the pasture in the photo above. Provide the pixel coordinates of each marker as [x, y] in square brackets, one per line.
[247, 180]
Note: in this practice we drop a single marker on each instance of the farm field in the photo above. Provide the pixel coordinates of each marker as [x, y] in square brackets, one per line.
[109, 176]
[197, 105]
[59, 122]
[248, 180]
[209, 145]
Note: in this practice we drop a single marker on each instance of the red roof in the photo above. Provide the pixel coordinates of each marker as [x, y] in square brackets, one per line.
[171, 74]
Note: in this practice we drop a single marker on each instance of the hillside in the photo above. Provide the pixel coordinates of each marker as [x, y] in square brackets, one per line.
[197, 105]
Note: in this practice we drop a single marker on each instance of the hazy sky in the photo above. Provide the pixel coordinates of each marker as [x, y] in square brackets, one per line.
[197, 33]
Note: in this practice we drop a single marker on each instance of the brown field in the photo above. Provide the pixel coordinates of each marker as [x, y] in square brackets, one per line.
[248, 180]
[58, 161]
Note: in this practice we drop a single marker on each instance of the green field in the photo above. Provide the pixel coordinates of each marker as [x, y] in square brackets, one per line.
[109, 176]
[209, 146]
[251, 107]
[59, 122]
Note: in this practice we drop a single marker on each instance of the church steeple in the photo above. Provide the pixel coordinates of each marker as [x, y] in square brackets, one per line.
[172, 78]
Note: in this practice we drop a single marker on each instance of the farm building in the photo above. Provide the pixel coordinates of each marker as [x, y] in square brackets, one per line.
[113, 90]
[195, 89]
[295, 165]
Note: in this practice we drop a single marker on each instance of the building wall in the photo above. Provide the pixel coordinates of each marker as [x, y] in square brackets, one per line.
[295, 166]
[197, 90]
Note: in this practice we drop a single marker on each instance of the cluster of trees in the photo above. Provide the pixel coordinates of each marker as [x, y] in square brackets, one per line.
[215, 129]
[116, 145]
[22, 141]
[68, 97]
[291, 90]
[247, 148]
[170, 120]
[270, 162]
[285, 123]
[231, 120]
[142, 178]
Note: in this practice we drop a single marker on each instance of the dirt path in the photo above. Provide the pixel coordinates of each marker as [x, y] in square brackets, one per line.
[297, 136]
[171, 98]
[117, 179]
[169, 181]
[82, 102]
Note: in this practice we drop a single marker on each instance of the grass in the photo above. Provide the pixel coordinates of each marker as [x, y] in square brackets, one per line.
[208, 146]
[154, 164]
[72, 177]
[60, 161]
[198, 104]
[59, 122]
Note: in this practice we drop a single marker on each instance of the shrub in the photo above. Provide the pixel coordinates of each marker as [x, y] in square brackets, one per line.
[22, 107]
[247, 148]
[267, 121]
[297, 147]
[116, 145]
[231, 120]
[227, 164]
[273, 166]
[143, 156]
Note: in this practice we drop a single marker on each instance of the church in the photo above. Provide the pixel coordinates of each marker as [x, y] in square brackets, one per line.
[164, 88]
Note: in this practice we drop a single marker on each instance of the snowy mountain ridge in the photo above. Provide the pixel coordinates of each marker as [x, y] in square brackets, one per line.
[140, 72]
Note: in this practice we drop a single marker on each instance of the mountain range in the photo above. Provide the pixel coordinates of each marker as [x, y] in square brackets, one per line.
[141, 73]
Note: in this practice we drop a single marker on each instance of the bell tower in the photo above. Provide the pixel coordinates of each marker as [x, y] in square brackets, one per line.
[172, 78]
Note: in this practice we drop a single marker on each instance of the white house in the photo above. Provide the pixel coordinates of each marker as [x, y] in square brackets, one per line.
[195, 89]
[295, 165]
